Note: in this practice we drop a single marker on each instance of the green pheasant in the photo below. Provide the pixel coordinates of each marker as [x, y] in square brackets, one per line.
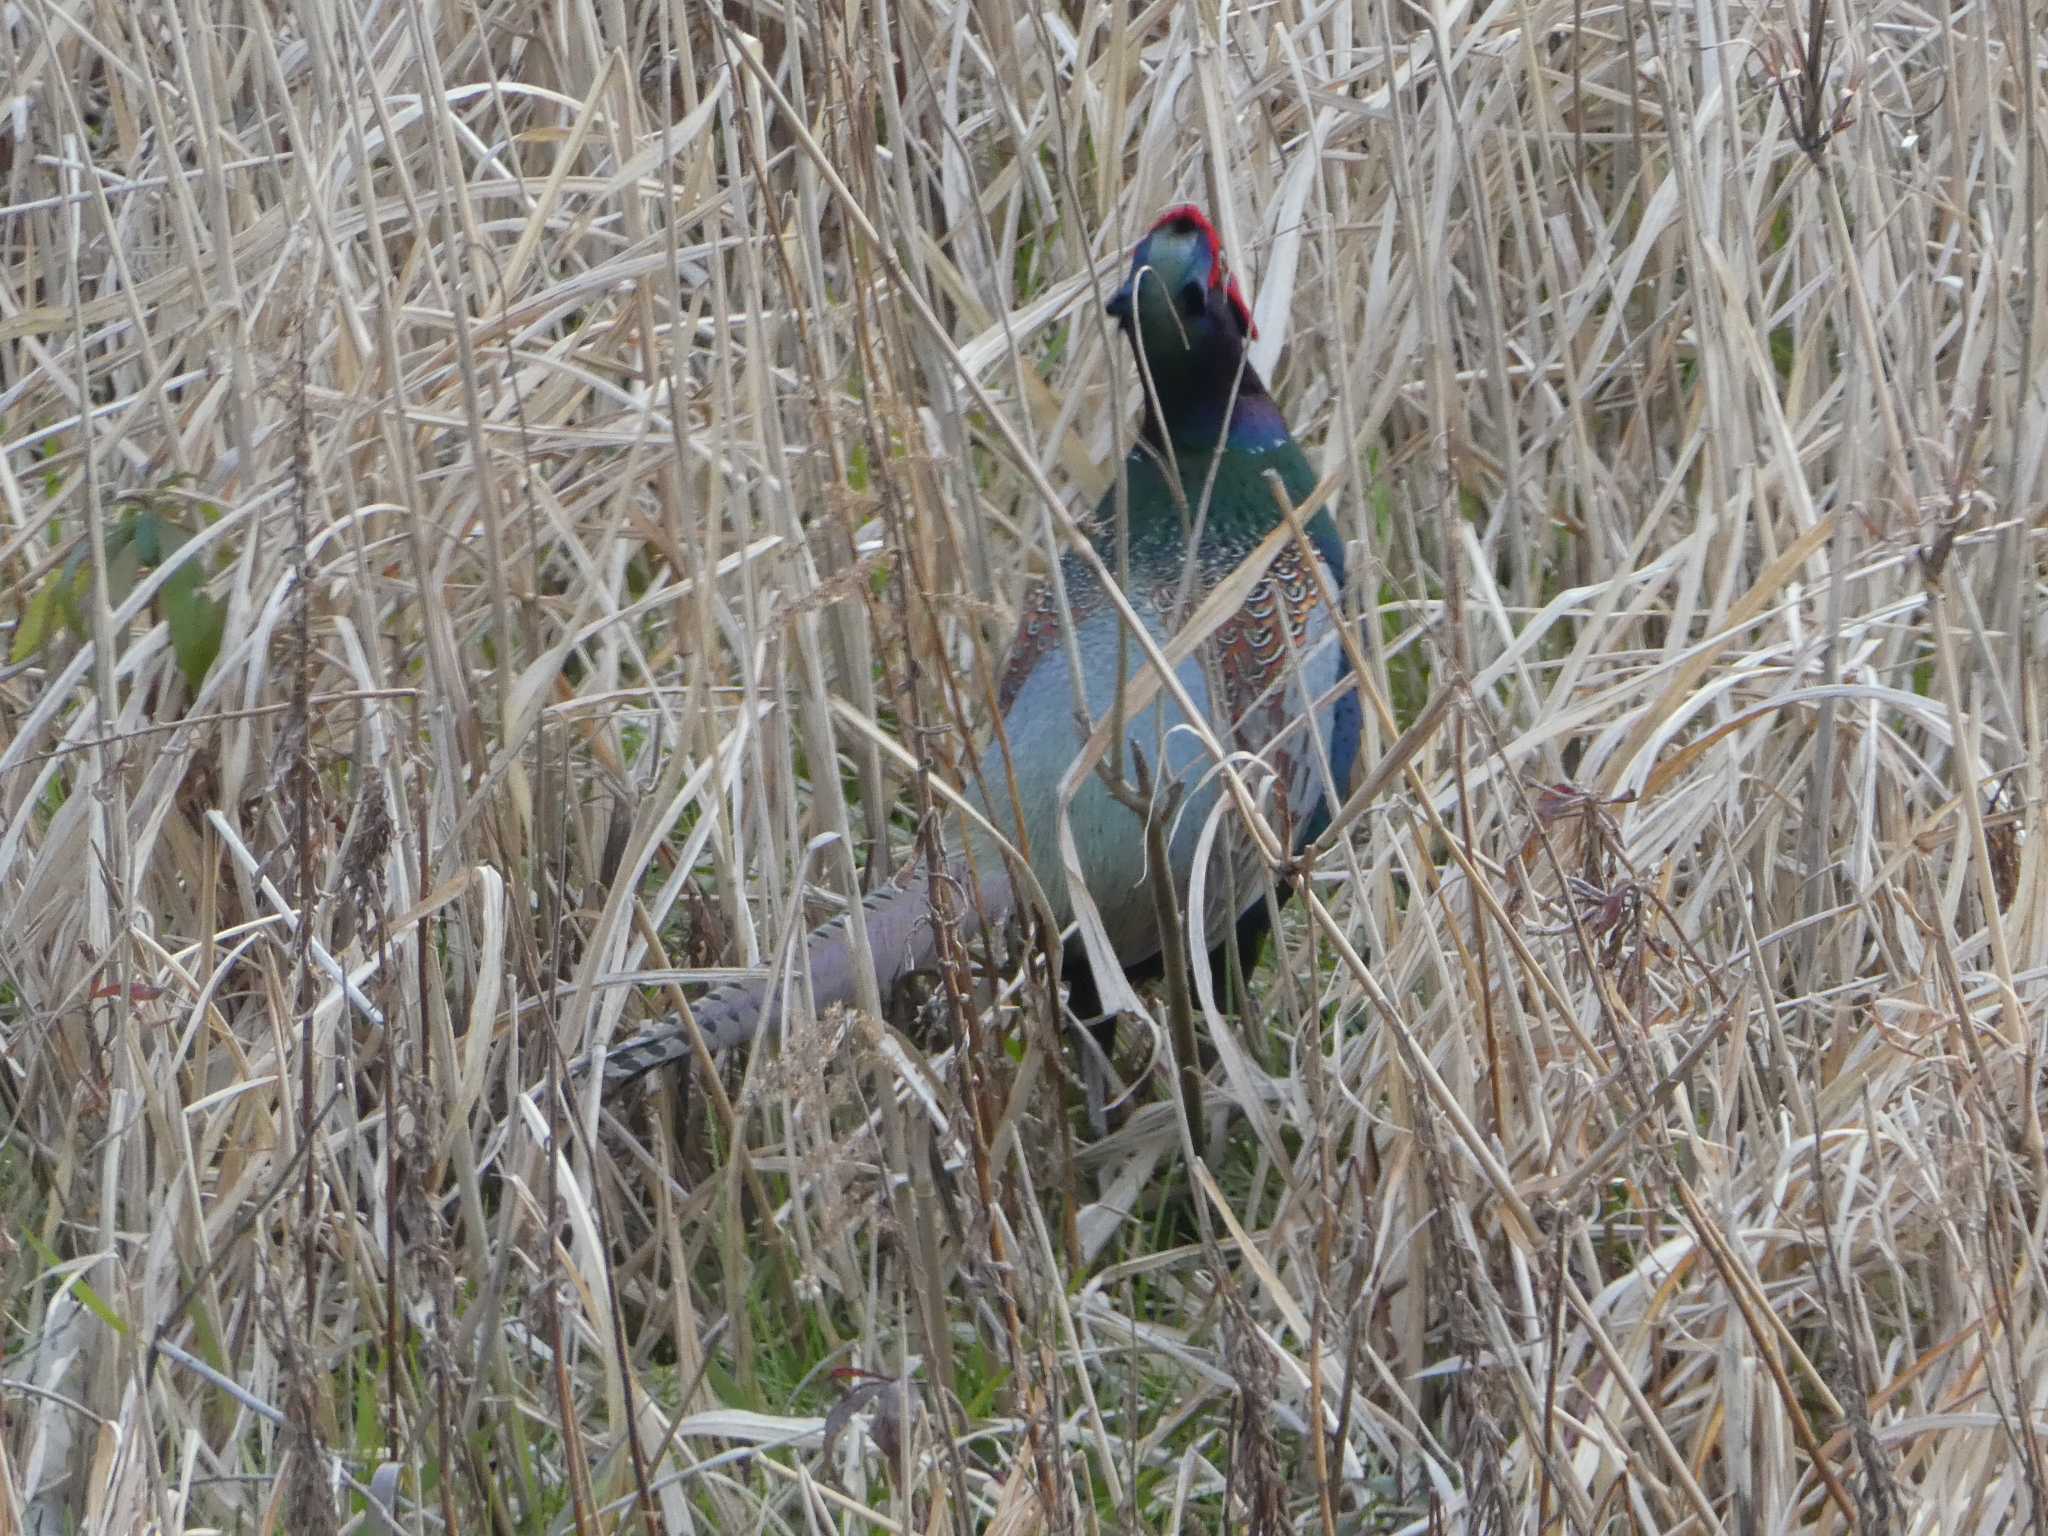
[1271, 680]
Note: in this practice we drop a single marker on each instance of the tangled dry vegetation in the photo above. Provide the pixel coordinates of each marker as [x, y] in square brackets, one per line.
[468, 471]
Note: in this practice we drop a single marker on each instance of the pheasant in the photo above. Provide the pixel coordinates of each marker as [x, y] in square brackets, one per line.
[1270, 680]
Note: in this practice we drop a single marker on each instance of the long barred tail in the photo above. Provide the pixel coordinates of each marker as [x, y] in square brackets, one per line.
[900, 934]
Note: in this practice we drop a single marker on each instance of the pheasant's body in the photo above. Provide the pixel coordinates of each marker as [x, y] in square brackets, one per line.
[1267, 681]
[1253, 683]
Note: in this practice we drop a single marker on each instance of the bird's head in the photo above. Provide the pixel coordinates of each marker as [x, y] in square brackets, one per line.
[1181, 305]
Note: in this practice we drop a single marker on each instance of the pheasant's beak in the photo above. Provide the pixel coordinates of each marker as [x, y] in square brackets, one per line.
[1119, 305]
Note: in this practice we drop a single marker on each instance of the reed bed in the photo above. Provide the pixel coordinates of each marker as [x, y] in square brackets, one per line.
[505, 510]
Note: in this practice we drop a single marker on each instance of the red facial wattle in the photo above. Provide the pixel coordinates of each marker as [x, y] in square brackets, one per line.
[1188, 218]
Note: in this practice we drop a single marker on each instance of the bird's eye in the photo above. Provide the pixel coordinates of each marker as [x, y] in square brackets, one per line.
[1194, 298]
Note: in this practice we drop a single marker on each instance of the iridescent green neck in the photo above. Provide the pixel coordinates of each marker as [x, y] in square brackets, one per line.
[1212, 397]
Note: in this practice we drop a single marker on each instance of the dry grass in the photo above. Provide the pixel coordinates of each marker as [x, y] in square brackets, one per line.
[591, 429]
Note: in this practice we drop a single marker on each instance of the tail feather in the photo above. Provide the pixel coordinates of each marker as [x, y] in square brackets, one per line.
[901, 935]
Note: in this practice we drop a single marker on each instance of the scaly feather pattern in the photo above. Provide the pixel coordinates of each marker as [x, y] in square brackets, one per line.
[1197, 499]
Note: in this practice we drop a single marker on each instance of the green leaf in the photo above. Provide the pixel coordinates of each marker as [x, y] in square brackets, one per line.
[124, 569]
[73, 587]
[72, 1270]
[197, 623]
[36, 622]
